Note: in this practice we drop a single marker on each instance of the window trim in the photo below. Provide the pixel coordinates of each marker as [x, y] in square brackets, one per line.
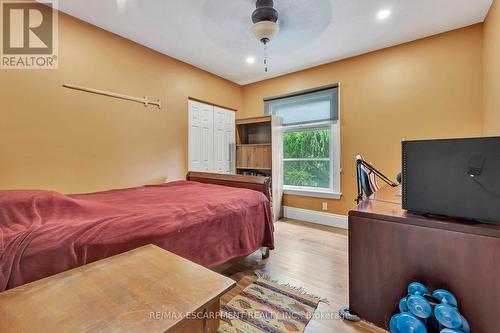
[311, 192]
[333, 192]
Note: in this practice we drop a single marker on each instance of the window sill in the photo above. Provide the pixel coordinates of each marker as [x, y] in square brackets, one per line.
[312, 193]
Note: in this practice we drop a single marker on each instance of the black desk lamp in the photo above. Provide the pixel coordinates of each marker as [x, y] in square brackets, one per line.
[367, 185]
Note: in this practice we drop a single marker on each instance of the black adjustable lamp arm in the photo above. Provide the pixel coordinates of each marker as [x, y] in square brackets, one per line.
[380, 175]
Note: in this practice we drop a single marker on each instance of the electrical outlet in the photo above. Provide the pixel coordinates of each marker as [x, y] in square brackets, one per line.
[325, 205]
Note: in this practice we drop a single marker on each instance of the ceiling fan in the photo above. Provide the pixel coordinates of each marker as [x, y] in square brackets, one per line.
[265, 24]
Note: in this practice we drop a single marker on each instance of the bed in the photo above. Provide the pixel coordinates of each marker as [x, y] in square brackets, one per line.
[208, 219]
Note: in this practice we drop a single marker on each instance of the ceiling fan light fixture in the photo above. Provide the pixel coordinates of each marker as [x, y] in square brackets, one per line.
[265, 21]
[264, 31]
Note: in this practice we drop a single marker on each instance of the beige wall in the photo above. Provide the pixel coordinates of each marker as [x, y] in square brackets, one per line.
[430, 88]
[55, 138]
[492, 71]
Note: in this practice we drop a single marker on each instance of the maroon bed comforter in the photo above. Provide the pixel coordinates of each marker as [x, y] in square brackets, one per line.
[43, 233]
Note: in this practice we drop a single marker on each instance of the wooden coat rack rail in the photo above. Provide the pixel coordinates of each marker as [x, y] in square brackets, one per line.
[142, 100]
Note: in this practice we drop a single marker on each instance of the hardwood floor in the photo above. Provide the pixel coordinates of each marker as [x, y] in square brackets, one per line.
[309, 256]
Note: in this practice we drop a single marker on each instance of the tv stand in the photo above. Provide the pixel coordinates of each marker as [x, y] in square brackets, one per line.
[390, 247]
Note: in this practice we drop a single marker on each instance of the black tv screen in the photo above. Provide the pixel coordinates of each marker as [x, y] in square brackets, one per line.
[453, 177]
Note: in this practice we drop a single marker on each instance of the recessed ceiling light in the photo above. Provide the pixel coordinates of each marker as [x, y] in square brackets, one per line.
[250, 60]
[383, 14]
[121, 4]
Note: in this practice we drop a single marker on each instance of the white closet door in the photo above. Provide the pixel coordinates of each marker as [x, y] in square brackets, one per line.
[219, 115]
[201, 137]
[224, 140]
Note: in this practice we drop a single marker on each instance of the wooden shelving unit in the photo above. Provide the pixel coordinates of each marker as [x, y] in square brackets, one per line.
[258, 153]
[254, 156]
[254, 146]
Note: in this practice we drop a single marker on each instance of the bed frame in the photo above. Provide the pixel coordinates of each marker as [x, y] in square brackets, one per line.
[256, 183]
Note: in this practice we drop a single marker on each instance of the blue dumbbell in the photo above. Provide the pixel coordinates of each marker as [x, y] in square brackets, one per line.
[393, 324]
[416, 288]
[444, 296]
[449, 330]
[448, 316]
[403, 307]
[408, 323]
[416, 303]
[465, 328]
[419, 306]
[465, 325]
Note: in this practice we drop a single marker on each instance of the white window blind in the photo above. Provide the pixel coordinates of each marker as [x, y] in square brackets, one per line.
[305, 107]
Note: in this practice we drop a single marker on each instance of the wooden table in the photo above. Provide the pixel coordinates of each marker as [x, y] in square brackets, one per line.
[389, 248]
[144, 290]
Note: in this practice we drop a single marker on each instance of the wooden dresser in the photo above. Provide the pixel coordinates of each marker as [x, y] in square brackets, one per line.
[144, 290]
[389, 248]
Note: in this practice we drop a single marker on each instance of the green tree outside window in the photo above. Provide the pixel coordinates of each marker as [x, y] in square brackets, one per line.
[307, 158]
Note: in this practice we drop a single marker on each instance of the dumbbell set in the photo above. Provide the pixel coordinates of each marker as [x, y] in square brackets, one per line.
[423, 312]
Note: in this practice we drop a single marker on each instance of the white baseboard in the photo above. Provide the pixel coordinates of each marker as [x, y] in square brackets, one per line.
[329, 219]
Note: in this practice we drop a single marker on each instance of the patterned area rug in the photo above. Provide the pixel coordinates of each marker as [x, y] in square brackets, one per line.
[267, 307]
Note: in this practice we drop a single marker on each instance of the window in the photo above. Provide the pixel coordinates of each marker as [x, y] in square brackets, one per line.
[311, 141]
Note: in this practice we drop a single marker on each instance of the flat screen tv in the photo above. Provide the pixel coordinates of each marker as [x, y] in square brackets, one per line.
[453, 177]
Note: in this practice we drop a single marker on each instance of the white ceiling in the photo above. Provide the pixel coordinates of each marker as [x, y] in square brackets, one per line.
[214, 34]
